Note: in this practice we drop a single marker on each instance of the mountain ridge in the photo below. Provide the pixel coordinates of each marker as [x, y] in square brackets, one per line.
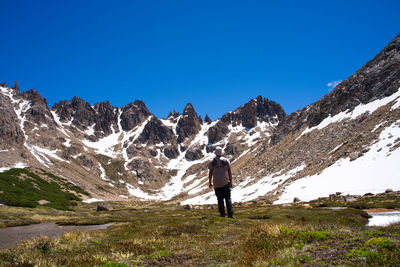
[124, 152]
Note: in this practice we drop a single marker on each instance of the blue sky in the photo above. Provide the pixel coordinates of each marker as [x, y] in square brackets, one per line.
[215, 54]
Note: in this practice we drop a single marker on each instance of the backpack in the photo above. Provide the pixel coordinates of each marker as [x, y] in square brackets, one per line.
[223, 162]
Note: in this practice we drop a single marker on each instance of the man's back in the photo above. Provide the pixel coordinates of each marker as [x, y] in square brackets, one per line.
[220, 166]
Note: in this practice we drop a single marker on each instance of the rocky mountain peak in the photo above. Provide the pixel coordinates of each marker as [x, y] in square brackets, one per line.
[189, 124]
[38, 111]
[78, 110]
[133, 114]
[207, 119]
[16, 86]
[257, 109]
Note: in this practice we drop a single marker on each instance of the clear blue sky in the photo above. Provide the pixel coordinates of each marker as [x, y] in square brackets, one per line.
[215, 54]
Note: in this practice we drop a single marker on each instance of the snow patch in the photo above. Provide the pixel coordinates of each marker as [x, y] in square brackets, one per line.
[19, 165]
[374, 172]
[91, 200]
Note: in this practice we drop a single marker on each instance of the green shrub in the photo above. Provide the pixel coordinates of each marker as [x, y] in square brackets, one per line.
[375, 233]
[380, 242]
[114, 264]
[360, 253]
[313, 236]
[23, 188]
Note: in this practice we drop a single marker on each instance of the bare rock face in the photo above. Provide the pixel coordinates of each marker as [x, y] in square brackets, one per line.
[194, 153]
[207, 119]
[10, 131]
[255, 110]
[249, 115]
[38, 111]
[377, 79]
[156, 132]
[189, 124]
[79, 111]
[217, 132]
[106, 118]
[171, 152]
[133, 114]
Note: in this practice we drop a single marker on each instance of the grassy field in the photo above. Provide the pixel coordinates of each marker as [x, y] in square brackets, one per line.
[168, 235]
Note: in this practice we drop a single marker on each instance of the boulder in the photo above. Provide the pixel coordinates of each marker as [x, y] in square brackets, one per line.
[194, 153]
[187, 207]
[354, 156]
[104, 207]
[389, 190]
[350, 198]
[296, 199]
[43, 202]
[171, 152]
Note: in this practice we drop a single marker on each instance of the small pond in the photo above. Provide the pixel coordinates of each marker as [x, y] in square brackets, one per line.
[383, 218]
[12, 236]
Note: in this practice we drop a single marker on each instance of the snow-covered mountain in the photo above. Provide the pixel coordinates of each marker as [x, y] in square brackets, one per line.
[346, 142]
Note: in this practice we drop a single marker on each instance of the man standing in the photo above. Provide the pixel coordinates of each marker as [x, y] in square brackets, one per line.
[220, 170]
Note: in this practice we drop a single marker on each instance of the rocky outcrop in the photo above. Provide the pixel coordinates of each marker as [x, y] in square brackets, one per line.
[249, 115]
[256, 110]
[133, 114]
[194, 153]
[207, 119]
[217, 132]
[379, 78]
[171, 152]
[77, 110]
[189, 124]
[39, 111]
[11, 134]
[156, 132]
[106, 119]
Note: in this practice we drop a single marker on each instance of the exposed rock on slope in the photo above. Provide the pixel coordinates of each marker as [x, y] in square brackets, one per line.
[377, 79]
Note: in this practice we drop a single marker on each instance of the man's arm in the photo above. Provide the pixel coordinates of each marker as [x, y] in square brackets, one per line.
[230, 175]
[210, 173]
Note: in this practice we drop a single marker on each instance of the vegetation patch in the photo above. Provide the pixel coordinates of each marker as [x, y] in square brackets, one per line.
[23, 188]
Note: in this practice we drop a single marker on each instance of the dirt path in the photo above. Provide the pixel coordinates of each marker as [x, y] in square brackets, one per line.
[12, 236]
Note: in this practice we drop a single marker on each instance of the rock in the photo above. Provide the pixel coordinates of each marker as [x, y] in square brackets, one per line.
[187, 207]
[207, 119]
[217, 132]
[377, 79]
[104, 207]
[332, 195]
[133, 114]
[256, 110]
[230, 149]
[43, 202]
[194, 153]
[171, 152]
[211, 207]
[338, 193]
[354, 156]
[296, 199]
[350, 198]
[389, 190]
[155, 132]
[368, 194]
[189, 124]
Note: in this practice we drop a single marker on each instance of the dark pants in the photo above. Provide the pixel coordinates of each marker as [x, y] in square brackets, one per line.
[224, 193]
